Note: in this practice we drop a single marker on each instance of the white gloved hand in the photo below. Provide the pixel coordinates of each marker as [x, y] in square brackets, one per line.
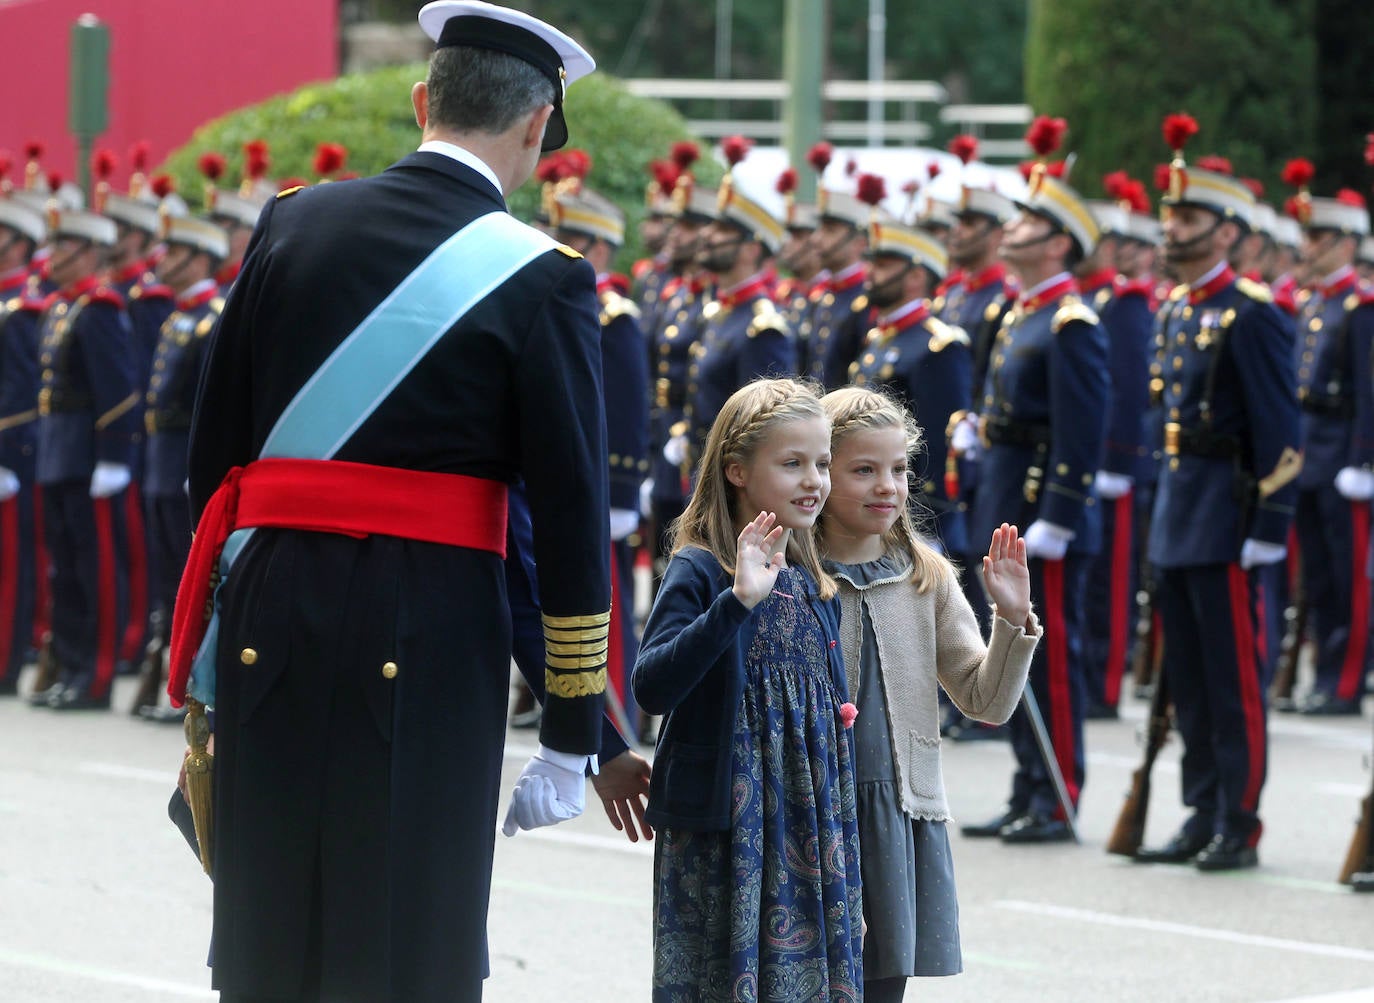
[1355, 484]
[1253, 553]
[646, 498]
[9, 484]
[624, 521]
[965, 439]
[675, 450]
[1111, 486]
[1047, 541]
[109, 479]
[552, 788]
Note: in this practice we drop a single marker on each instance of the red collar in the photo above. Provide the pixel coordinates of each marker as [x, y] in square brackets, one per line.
[1099, 279]
[847, 282]
[1340, 287]
[1223, 279]
[750, 289]
[995, 272]
[199, 299]
[1053, 294]
[905, 317]
[77, 289]
[955, 277]
[14, 281]
[131, 272]
[229, 274]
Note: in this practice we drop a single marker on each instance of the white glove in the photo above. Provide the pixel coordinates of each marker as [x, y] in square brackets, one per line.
[675, 450]
[1047, 541]
[1355, 484]
[551, 789]
[1111, 486]
[646, 498]
[109, 479]
[9, 484]
[1253, 553]
[624, 521]
[965, 439]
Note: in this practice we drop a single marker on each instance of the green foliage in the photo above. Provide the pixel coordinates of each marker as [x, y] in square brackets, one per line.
[370, 114]
[1345, 68]
[1245, 69]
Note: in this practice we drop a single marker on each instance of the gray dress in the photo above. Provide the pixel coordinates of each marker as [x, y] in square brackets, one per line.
[908, 870]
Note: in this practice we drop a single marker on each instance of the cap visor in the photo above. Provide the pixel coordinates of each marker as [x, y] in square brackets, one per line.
[556, 132]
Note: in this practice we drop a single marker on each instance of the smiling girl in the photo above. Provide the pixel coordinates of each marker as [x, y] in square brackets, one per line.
[906, 629]
[756, 867]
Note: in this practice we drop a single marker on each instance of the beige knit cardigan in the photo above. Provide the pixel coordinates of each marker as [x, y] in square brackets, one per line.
[925, 640]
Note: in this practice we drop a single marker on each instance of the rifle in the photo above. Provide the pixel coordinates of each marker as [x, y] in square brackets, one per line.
[1286, 665]
[1358, 869]
[1143, 651]
[1129, 831]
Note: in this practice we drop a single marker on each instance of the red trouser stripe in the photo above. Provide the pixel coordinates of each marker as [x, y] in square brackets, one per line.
[9, 577]
[615, 646]
[1357, 643]
[1057, 655]
[1247, 684]
[1261, 623]
[137, 625]
[105, 626]
[1121, 567]
[42, 606]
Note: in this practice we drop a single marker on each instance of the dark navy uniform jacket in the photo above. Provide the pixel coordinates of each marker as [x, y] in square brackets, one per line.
[1335, 328]
[390, 656]
[670, 357]
[925, 363]
[1231, 424]
[171, 395]
[743, 337]
[1127, 314]
[976, 304]
[20, 313]
[626, 380]
[835, 336]
[651, 275]
[1043, 419]
[87, 401]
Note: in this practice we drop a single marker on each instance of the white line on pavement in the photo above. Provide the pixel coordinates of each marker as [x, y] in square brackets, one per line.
[1350, 996]
[59, 966]
[1183, 929]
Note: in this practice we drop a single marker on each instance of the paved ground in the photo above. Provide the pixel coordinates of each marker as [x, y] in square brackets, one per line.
[100, 901]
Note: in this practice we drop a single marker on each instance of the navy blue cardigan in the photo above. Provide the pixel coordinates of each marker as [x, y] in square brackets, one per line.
[691, 669]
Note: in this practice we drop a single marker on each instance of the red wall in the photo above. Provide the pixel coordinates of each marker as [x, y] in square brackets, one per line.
[174, 64]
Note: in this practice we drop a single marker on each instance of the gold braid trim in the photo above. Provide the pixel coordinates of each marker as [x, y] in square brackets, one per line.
[575, 684]
[115, 413]
[569, 622]
[1287, 470]
[15, 420]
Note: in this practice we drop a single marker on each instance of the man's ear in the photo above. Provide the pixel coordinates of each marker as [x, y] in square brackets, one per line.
[419, 100]
[534, 126]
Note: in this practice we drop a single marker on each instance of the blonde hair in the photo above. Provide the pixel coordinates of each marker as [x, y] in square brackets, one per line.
[860, 409]
[742, 425]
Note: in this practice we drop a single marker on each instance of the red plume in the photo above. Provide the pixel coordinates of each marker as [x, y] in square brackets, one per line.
[933, 169]
[787, 182]
[684, 154]
[55, 180]
[552, 169]
[1255, 185]
[577, 164]
[665, 174]
[1113, 183]
[964, 146]
[1348, 196]
[911, 187]
[819, 156]
[103, 164]
[329, 158]
[255, 159]
[1219, 165]
[1134, 192]
[293, 182]
[735, 148]
[1045, 134]
[1178, 129]
[1298, 172]
[1369, 149]
[212, 165]
[162, 185]
[34, 149]
[871, 189]
[1162, 177]
[139, 154]
[1292, 207]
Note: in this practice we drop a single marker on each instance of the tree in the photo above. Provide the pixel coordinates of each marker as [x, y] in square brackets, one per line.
[1246, 69]
[1345, 70]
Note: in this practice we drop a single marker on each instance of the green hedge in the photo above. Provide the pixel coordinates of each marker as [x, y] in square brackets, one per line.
[369, 113]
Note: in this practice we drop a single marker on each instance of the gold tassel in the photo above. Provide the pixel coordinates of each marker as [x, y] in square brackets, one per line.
[200, 779]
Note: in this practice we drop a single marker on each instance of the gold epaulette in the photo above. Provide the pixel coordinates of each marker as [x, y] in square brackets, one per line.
[860, 304]
[575, 654]
[943, 335]
[289, 191]
[937, 304]
[1178, 292]
[206, 325]
[613, 306]
[1072, 310]
[567, 251]
[766, 318]
[217, 305]
[1256, 291]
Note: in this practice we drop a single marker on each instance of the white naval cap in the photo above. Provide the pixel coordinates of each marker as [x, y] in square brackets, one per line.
[193, 231]
[482, 25]
[23, 219]
[83, 225]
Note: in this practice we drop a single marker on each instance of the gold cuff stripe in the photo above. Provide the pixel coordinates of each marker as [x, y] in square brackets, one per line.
[115, 413]
[569, 622]
[589, 661]
[575, 684]
[578, 648]
[15, 420]
[580, 634]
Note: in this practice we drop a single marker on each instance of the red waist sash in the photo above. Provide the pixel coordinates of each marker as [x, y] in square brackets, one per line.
[327, 496]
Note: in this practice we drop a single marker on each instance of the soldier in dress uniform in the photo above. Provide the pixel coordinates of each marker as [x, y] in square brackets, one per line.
[835, 333]
[743, 336]
[923, 361]
[592, 225]
[937, 218]
[196, 249]
[1225, 378]
[650, 274]
[86, 439]
[1042, 428]
[1335, 326]
[1364, 259]
[22, 230]
[1288, 274]
[237, 212]
[983, 292]
[798, 258]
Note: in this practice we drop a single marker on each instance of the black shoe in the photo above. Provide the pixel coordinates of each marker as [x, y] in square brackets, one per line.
[1101, 712]
[71, 698]
[1227, 853]
[992, 827]
[1181, 849]
[977, 731]
[1326, 705]
[1036, 827]
[163, 715]
[1362, 881]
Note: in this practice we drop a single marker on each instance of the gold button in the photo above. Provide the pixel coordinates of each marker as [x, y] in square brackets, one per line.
[389, 670]
[248, 656]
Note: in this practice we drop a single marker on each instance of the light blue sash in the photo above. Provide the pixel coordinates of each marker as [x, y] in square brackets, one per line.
[373, 359]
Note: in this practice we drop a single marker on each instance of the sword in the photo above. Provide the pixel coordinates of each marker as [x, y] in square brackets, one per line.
[1042, 741]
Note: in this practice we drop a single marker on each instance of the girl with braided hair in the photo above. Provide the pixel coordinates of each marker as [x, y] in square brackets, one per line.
[905, 630]
[756, 868]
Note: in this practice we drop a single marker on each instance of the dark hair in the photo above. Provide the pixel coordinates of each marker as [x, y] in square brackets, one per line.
[481, 90]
